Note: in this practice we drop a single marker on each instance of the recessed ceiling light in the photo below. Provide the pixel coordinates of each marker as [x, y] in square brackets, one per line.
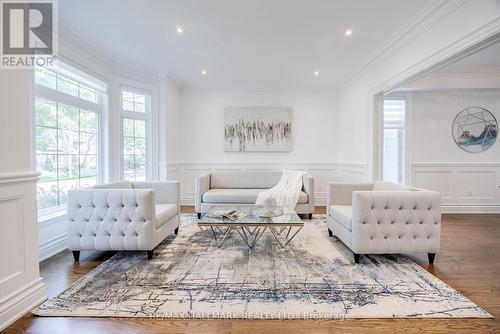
[180, 30]
[204, 72]
[348, 32]
[316, 73]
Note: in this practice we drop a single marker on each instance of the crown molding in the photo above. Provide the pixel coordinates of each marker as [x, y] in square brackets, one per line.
[431, 14]
[469, 70]
[113, 62]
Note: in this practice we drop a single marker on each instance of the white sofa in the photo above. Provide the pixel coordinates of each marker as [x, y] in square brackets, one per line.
[242, 188]
[384, 218]
[122, 215]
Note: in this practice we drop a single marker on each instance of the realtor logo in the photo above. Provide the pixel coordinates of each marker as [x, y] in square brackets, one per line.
[28, 33]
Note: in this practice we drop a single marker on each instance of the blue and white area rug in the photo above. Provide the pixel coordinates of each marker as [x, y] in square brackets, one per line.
[313, 277]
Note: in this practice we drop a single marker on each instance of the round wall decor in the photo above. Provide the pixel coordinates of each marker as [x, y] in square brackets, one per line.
[474, 129]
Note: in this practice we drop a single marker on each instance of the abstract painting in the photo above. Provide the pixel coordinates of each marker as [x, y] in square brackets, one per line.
[257, 129]
[475, 129]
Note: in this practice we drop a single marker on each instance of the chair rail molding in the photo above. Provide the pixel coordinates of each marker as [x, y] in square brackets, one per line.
[21, 287]
[322, 172]
[464, 187]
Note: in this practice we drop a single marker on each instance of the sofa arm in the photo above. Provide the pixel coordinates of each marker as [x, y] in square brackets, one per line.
[166, 192]
[105, 219]
[201, 185]
[308, 186]
[340, 193]
[396, 221]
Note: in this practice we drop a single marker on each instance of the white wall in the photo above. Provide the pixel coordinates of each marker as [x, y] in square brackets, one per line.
[451, 28]
[313, 124]
[21, 287]
[202, 135]
[468, 182]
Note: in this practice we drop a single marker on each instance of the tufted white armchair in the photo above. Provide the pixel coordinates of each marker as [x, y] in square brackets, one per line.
[122, 215]
[384, 218]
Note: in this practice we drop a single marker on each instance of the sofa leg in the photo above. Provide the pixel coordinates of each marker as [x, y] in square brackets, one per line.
[431, 256]
[199, 215]
[310, 216]
[150, 254]
[356, 258]
[330, 233]
[176, 231]
[76, 256]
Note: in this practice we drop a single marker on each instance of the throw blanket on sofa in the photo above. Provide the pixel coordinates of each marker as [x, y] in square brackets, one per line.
[286, 192]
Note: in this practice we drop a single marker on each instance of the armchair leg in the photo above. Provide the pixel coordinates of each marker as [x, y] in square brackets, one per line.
[431, 256]
[176, 231]
[330, 233]
[199, 215]
[310, 216]
[356, 257]
[150, 254]
[76, 256]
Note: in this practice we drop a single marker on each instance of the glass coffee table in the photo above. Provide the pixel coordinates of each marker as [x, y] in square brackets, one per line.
[250, 227]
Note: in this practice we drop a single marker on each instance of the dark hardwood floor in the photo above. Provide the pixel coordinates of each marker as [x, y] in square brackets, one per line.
[469, 262]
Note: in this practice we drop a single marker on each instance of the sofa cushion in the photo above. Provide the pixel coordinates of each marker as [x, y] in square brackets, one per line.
[342, 214]
[244, 180]
[389, 186]
[165, 212]
[243, 196]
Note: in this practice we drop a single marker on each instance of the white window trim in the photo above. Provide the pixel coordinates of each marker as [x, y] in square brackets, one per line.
[36, 90]
[150, 116]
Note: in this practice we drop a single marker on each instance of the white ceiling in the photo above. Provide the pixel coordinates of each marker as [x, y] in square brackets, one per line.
[243, 44]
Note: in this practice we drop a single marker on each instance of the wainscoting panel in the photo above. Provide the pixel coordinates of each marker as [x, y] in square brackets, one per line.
[21, 287]
[464, 187]
[322, 171]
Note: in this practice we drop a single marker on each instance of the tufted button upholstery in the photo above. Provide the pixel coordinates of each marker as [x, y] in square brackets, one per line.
[120, 219]
[399, 220]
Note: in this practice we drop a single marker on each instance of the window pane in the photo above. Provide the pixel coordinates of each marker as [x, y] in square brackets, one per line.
[66, 85]
[64, 187]
[139, 107]
[69, 142]
[67, 117]
[68, 167]
[128, 145]
[129, 106]
[87, 182]
[46, 112]
[140, 146]
[46, 140]
[47, 194]
[88, 165]
[88, 121]
[88, 94]
[140, 128]
[138, 98]
[127, 96]
[88, 143]
[128, 164]
[128, 127]
[47, 165]
[45, 78]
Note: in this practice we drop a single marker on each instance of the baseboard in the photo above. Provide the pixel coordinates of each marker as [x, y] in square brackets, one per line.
[52, 247]
[470, 208]
[15, 305]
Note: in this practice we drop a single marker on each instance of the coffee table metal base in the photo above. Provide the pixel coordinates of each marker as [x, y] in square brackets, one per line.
[251, 236]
